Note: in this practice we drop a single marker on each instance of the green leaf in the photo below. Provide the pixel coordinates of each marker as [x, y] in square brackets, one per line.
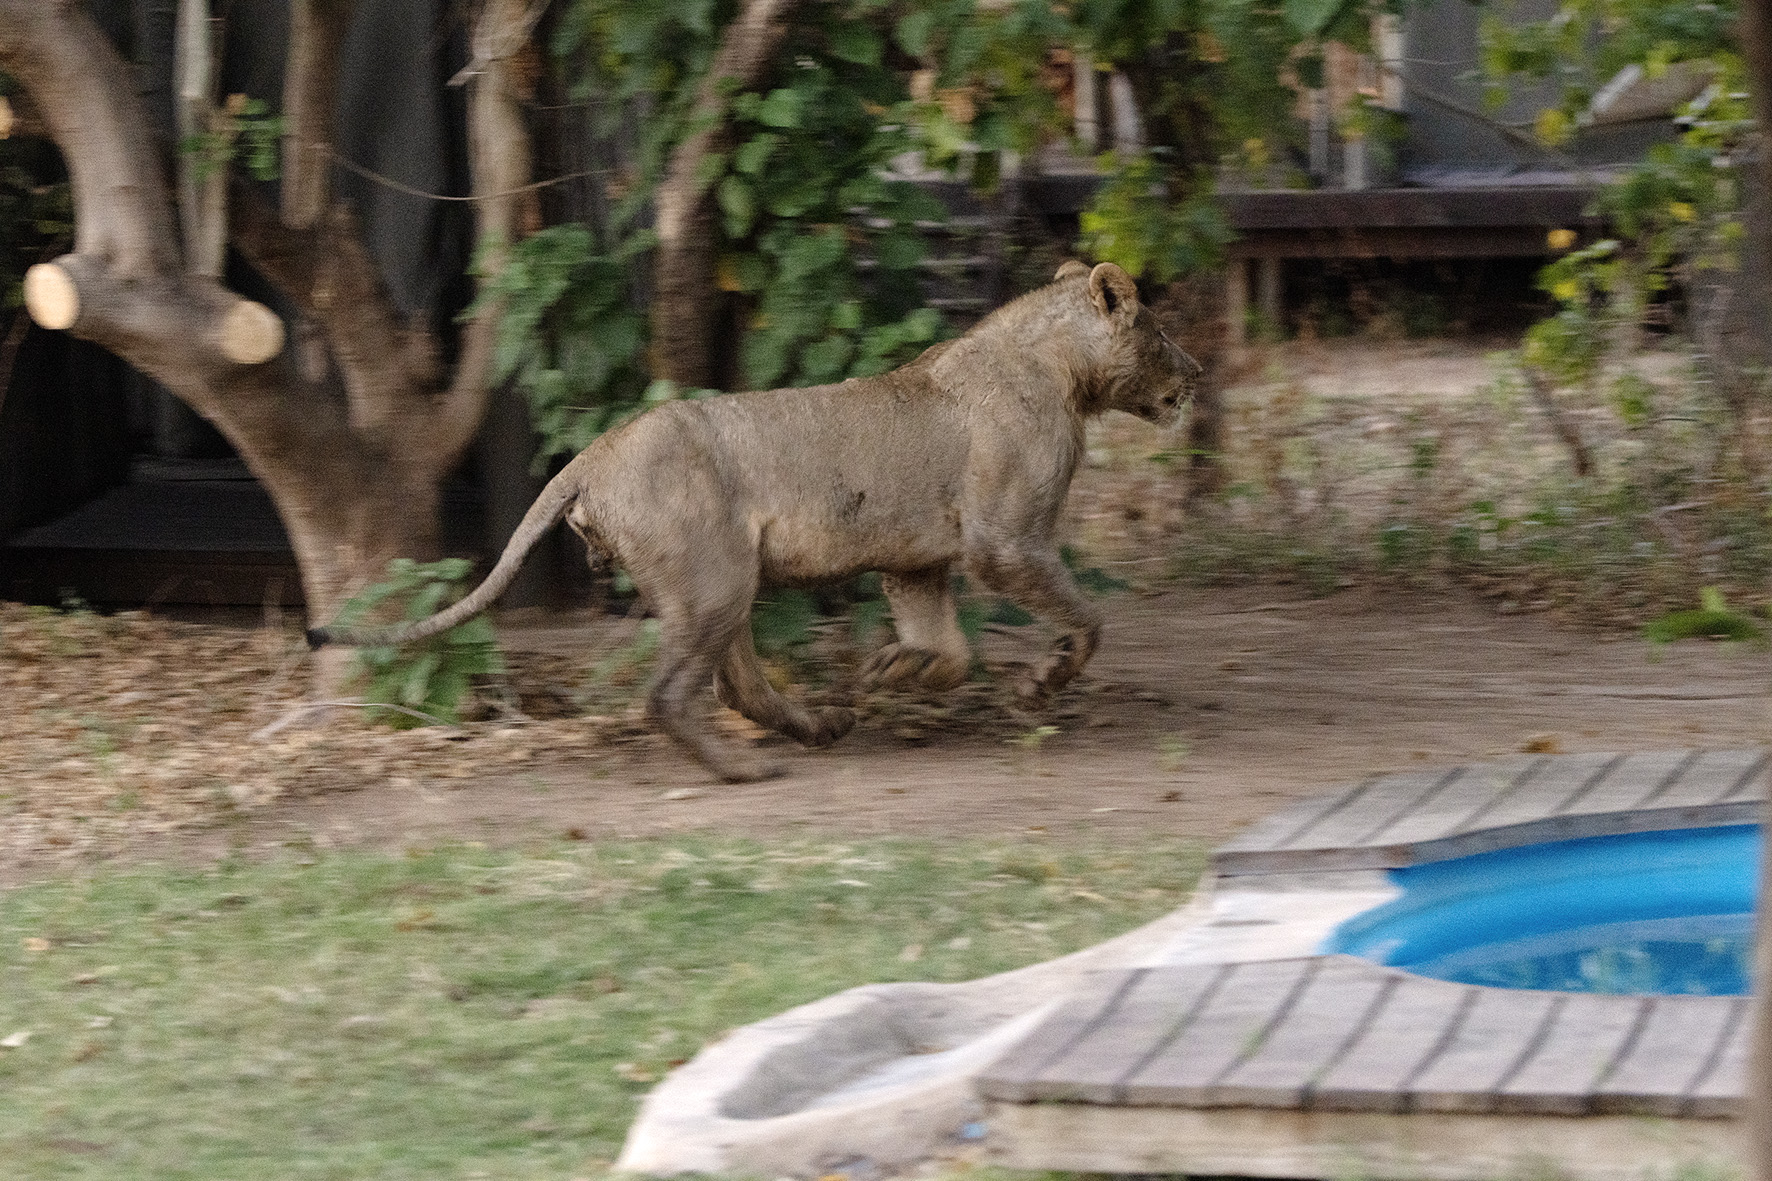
[846, 316]
[824, 360]
[966, 45]
[856, 43]
[754, 153]
[781, 108]
[922, 324]
[1308, 18]
[765, 358]
[415, 685]
[913, 32]
[739, 203]
[810, 253]
[898, 250]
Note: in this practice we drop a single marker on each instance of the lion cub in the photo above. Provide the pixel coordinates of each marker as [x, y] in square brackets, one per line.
[963, 456]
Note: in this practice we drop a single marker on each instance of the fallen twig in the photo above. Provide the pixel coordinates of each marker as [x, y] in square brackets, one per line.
[308, 708]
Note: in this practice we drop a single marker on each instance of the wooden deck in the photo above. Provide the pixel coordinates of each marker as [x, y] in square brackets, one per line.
[1395, 820]
[1268, 1067]
[1336, 1033]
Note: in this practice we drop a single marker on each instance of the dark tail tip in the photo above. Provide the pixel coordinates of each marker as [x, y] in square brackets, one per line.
[317, 638]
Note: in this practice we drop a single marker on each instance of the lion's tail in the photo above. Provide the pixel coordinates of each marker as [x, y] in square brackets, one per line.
[548, 508]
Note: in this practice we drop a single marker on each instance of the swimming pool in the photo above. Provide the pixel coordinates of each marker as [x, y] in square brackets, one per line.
[1657, 912]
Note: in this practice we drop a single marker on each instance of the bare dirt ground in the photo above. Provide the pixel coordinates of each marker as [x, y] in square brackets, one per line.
[1205, 709]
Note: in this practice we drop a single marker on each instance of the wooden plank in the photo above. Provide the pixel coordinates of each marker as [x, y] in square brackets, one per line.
[1719, 1090]
[1273, 832]
[1160, 1006]
[1716, 776]
[1752, 788]
[1677, 1044]
[1338, 1001]
[1546, 793]
[1487, 206]
[1094, 1000]
[1498, 1031]
[1382, 802]
[1474, 790]
[1372, 1074]
[1631, 781]
[1230, 1026]
[1579, 1050]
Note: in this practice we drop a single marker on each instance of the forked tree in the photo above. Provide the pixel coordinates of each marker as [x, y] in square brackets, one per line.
[351, 434]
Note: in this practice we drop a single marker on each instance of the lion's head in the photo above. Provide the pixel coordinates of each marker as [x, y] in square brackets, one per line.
[1143, 372]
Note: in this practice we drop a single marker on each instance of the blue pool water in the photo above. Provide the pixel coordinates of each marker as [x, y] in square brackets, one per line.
[1660, 912]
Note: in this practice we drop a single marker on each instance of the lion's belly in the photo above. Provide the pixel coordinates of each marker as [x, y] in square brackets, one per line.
[828, 539]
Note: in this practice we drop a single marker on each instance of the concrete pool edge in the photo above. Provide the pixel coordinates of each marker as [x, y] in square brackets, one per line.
[689, 1122]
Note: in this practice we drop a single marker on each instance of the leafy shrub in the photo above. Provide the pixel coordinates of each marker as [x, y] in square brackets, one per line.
[432, 676]
[1713, 620]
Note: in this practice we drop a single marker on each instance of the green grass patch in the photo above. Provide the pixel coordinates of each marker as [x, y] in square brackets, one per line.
[466, 1013]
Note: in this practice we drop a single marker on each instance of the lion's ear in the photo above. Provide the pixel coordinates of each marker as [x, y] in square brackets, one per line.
[1112, 289]
[1071, 270]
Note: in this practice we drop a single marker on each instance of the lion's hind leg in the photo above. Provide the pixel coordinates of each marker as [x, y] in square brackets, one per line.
[741, 684]
[931, 650]
[691, 642]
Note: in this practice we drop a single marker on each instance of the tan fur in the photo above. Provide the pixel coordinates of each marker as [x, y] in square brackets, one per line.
[963, 456]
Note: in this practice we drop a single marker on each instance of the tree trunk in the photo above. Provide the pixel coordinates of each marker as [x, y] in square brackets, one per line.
[355, 477]
[686, 296]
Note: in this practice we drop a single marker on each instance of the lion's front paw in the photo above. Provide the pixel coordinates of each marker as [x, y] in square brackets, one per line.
[896, 665]
[1031, 690]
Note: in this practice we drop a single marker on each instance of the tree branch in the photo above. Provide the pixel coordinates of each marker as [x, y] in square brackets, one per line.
[499, 156]
[327, 271]
[203, 199]
[310, 87]
[124, 285]
[198, 321]
[86, 95]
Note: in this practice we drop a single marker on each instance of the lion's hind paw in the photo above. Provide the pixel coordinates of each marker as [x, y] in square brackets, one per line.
[833, 721]
[896, 665]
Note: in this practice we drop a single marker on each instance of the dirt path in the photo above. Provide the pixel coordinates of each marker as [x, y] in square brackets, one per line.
[1211, 708]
